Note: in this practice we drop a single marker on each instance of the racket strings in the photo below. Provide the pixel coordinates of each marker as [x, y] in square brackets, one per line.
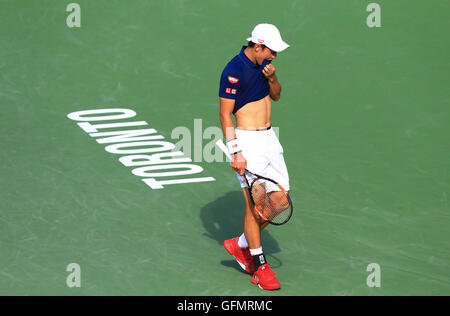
[271, 202]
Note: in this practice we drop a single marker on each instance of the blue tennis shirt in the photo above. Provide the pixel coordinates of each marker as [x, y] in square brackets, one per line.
[243, 81]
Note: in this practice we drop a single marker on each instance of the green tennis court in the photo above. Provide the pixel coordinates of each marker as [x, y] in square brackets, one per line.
[363, 119]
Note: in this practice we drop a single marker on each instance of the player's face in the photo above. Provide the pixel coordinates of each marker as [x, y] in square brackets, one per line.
[270, 54]
[263, 53]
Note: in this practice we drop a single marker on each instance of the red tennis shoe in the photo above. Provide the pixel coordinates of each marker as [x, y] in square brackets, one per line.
[264, 277]
[242, 255]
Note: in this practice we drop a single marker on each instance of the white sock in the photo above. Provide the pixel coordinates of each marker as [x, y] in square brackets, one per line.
[242, 242]
[257, 251]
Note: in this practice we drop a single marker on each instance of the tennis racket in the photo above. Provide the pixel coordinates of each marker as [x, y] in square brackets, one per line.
[270, 199]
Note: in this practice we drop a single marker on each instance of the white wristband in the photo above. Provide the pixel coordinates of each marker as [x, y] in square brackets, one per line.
[233, 146]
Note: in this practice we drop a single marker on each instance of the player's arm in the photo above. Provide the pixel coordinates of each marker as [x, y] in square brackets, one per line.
[226, 119]
[274, 85]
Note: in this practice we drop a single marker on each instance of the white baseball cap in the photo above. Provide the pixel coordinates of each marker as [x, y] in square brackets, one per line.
[268, 35]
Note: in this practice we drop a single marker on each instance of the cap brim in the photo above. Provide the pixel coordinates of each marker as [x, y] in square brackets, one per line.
[278, 47]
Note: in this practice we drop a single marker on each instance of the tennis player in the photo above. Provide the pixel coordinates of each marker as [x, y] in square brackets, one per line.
[247, 85]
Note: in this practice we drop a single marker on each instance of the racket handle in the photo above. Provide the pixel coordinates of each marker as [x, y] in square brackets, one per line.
[225, 150]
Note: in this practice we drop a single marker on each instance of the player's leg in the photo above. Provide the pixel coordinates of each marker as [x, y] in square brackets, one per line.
[264, 277]
[252, 223]
[252, 257]
[238, 247]
[277, 170]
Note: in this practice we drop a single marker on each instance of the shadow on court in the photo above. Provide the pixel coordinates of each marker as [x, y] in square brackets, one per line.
[224, 218]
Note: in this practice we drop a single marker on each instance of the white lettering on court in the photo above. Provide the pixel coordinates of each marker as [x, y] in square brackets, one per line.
[143, 148]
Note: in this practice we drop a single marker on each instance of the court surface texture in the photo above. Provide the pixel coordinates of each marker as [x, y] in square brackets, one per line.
[363, 119]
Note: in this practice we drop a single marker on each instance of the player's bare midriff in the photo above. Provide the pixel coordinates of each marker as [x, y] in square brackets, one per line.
[254, 115]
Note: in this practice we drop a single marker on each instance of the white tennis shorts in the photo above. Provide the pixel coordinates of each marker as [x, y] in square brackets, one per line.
[264, 155]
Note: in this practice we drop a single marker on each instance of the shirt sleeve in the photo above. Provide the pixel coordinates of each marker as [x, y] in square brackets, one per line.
[229, 85]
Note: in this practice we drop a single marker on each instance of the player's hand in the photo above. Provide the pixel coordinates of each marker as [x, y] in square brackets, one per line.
[269, 71]
[239, 163]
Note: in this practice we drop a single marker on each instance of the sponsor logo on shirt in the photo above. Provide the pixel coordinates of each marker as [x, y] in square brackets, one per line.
[232, 79]
[231, 91]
